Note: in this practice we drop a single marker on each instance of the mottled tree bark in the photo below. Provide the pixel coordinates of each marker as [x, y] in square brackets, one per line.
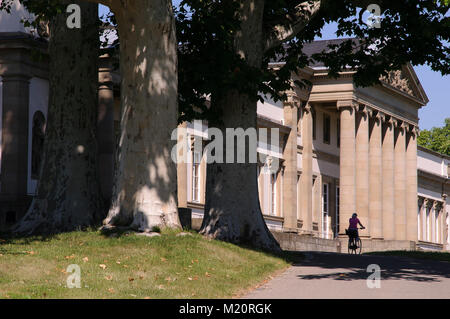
[145, 181]
[232, 209]
[68, 194]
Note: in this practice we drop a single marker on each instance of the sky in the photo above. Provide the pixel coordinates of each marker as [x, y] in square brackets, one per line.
[436, 86]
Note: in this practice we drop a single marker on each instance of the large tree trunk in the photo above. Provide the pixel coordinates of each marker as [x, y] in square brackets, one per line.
[145, 182]
[232, 209]
[68, 194]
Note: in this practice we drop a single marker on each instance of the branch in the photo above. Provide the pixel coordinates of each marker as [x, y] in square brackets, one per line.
[304, 12]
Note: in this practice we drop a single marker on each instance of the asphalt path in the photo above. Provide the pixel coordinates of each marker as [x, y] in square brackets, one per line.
[332, 275]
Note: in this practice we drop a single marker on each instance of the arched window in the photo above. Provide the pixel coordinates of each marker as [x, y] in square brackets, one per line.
[37, 146]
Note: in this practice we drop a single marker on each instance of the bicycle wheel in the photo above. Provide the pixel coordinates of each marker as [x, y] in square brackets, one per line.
[351, 245]
[358, 247]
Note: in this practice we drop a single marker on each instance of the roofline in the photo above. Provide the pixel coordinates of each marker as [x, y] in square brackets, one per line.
[427, 150]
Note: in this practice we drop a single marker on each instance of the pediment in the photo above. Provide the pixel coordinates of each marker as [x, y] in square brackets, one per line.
[406, 81]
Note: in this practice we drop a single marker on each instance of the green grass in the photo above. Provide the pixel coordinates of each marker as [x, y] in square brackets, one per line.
[131, 266]
[442, 256]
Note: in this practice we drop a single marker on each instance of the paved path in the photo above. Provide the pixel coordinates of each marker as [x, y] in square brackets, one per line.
[330, 275]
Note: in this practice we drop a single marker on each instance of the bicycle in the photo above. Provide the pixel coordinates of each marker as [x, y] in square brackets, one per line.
[354, 243]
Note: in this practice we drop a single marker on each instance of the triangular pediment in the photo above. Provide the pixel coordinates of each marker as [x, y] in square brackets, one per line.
[406, 81]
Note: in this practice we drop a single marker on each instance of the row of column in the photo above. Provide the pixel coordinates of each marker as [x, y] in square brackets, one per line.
[378, 173]
[431, 221]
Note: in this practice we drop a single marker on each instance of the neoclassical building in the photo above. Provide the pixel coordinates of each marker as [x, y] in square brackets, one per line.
[343, 149]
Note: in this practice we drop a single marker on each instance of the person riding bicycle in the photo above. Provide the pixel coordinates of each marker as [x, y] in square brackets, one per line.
[353, 227]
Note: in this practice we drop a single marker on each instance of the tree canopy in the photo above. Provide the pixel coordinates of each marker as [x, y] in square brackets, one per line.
[437, 139]
[415, 31]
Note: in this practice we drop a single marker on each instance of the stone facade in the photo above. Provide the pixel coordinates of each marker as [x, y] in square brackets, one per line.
[343, 149]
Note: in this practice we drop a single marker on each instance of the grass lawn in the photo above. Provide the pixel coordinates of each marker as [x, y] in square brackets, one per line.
[131, 266]
[432, 255]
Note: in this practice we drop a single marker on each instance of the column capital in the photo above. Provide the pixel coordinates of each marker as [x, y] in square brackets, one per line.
[428, 203]
[438, 205]
[347, 104]
[292, 99]
[400, 125]
[413, 130]
[420, 201]
[307, 107]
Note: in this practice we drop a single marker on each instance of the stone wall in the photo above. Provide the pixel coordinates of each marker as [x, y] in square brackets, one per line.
[295, 242]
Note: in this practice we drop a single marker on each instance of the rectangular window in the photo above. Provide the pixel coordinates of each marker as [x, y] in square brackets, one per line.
[196, 159]
[326, 128]
[325, 210]
[325, 198]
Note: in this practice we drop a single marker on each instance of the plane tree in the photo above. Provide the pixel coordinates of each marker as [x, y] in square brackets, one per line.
[68, 193]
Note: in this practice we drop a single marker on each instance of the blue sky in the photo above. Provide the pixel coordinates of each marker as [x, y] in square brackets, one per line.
[436, 86]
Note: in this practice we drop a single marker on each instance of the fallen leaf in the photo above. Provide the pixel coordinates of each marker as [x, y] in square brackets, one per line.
[111, 290]
[70, 257]
[102, 266]
[207, 274]
[108, 277]
[85, 259]
[189, 278]
[130, 279]
[147, 297]
[163, 259]
[118, 262]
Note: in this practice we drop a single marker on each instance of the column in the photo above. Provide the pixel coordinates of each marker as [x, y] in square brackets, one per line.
[306, 176]
[428, 205]
[411, 186]
[445, 224]
[317, 205]
[400, 182]
[347, 202]
[105, 127]
[299, 197]
[362, 169]
[278, 192]
[14, 165]
[388, 179]
[261, 187]
[182, 165]
[290, 167]
[375, 177]
[420, 207]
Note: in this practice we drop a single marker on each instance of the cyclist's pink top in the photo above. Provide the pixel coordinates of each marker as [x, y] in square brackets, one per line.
[353, 223]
